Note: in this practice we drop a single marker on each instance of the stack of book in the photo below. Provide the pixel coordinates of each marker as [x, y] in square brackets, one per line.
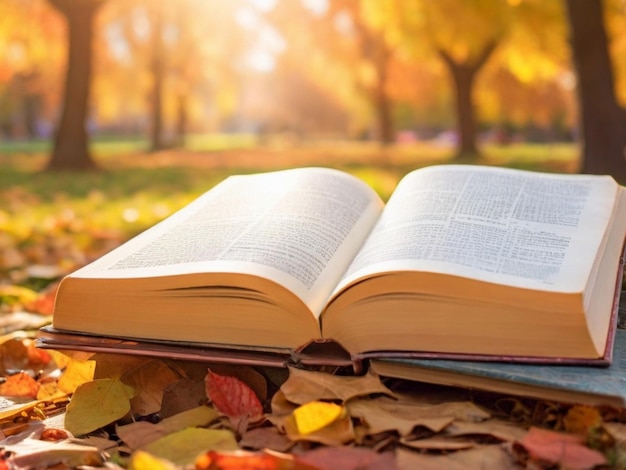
[494, 278]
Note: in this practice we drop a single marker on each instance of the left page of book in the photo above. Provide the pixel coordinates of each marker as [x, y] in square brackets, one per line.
[298, 229]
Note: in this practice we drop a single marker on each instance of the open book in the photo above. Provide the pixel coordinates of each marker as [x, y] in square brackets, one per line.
[479, 261]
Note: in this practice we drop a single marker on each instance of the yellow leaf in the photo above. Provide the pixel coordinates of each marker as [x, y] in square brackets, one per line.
[12, 295]
[76, 373]
[316, 415]
[49, 391]
[141, 460]
[97, 404]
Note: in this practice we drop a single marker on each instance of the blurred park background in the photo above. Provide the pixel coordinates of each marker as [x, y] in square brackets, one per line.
[165, 98]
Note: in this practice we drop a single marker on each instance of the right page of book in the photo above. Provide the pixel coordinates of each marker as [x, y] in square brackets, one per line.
[511, 227]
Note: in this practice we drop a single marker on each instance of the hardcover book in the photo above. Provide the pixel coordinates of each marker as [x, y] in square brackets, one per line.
[563, 383]
[462, 261]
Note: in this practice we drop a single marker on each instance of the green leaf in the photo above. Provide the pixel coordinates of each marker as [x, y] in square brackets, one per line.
[97, 404]
[184, 446]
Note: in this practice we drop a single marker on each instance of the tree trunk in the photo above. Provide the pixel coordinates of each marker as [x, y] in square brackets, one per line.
[463, 77]
[71, 142]
[602, 121]
[157, 69]
[381, 98]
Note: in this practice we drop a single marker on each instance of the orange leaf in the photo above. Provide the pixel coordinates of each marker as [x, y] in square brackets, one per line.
[238, 460]
[232, 397]
[19, 385]
[567, 450]
[44, 302]
[582, 419]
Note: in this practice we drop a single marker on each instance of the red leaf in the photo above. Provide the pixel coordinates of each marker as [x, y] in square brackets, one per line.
[232, 397]
[565, 449]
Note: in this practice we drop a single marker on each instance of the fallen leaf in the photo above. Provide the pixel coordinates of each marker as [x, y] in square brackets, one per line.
[49, 391]
[385, 414]
[232, 397]
[139, 434]
[142, 433]
[348, 458]
[248, 375]
[340, 431]
[266, 437]
[565, 450]
[438, 442]
[499, 429]
[17, 295]
[304, 386]
[478, 458]
[76, 373]
[184, 446]
[19, 353]
[243, 460]
[33, 453]
[96, 404]
[182, 395]
[149, 380]
[115, 366]
[43, 304]
[19, 385]
[199, 416]
[141, 460]
[582, 419]
[316, 415]
[281, 406]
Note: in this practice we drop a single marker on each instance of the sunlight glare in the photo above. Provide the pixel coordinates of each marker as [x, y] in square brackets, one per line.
[263, 5]
[317, 7]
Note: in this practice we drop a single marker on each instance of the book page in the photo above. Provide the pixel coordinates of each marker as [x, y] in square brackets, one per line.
[503, 226]
[299, 228]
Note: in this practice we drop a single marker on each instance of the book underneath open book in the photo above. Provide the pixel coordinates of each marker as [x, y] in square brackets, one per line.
[463, 261]
[596, 386]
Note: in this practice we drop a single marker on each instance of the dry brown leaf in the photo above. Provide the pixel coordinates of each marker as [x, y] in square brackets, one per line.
[281, 406]
[33, 453]
[182, 395]
[115, 366]
[439, 442]
[499, 429]
[380, 418]
[385, 414]
[149, 380]
[478, 458]
[304, 386]
[266, 437]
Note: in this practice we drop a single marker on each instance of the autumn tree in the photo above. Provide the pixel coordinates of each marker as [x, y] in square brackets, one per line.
[71, 142]
[31, 54]
[602, 120]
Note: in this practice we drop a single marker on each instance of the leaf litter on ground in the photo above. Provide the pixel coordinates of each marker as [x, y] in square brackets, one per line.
[136, 412]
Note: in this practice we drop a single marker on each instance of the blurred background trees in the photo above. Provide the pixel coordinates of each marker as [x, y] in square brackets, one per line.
[462, 72]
